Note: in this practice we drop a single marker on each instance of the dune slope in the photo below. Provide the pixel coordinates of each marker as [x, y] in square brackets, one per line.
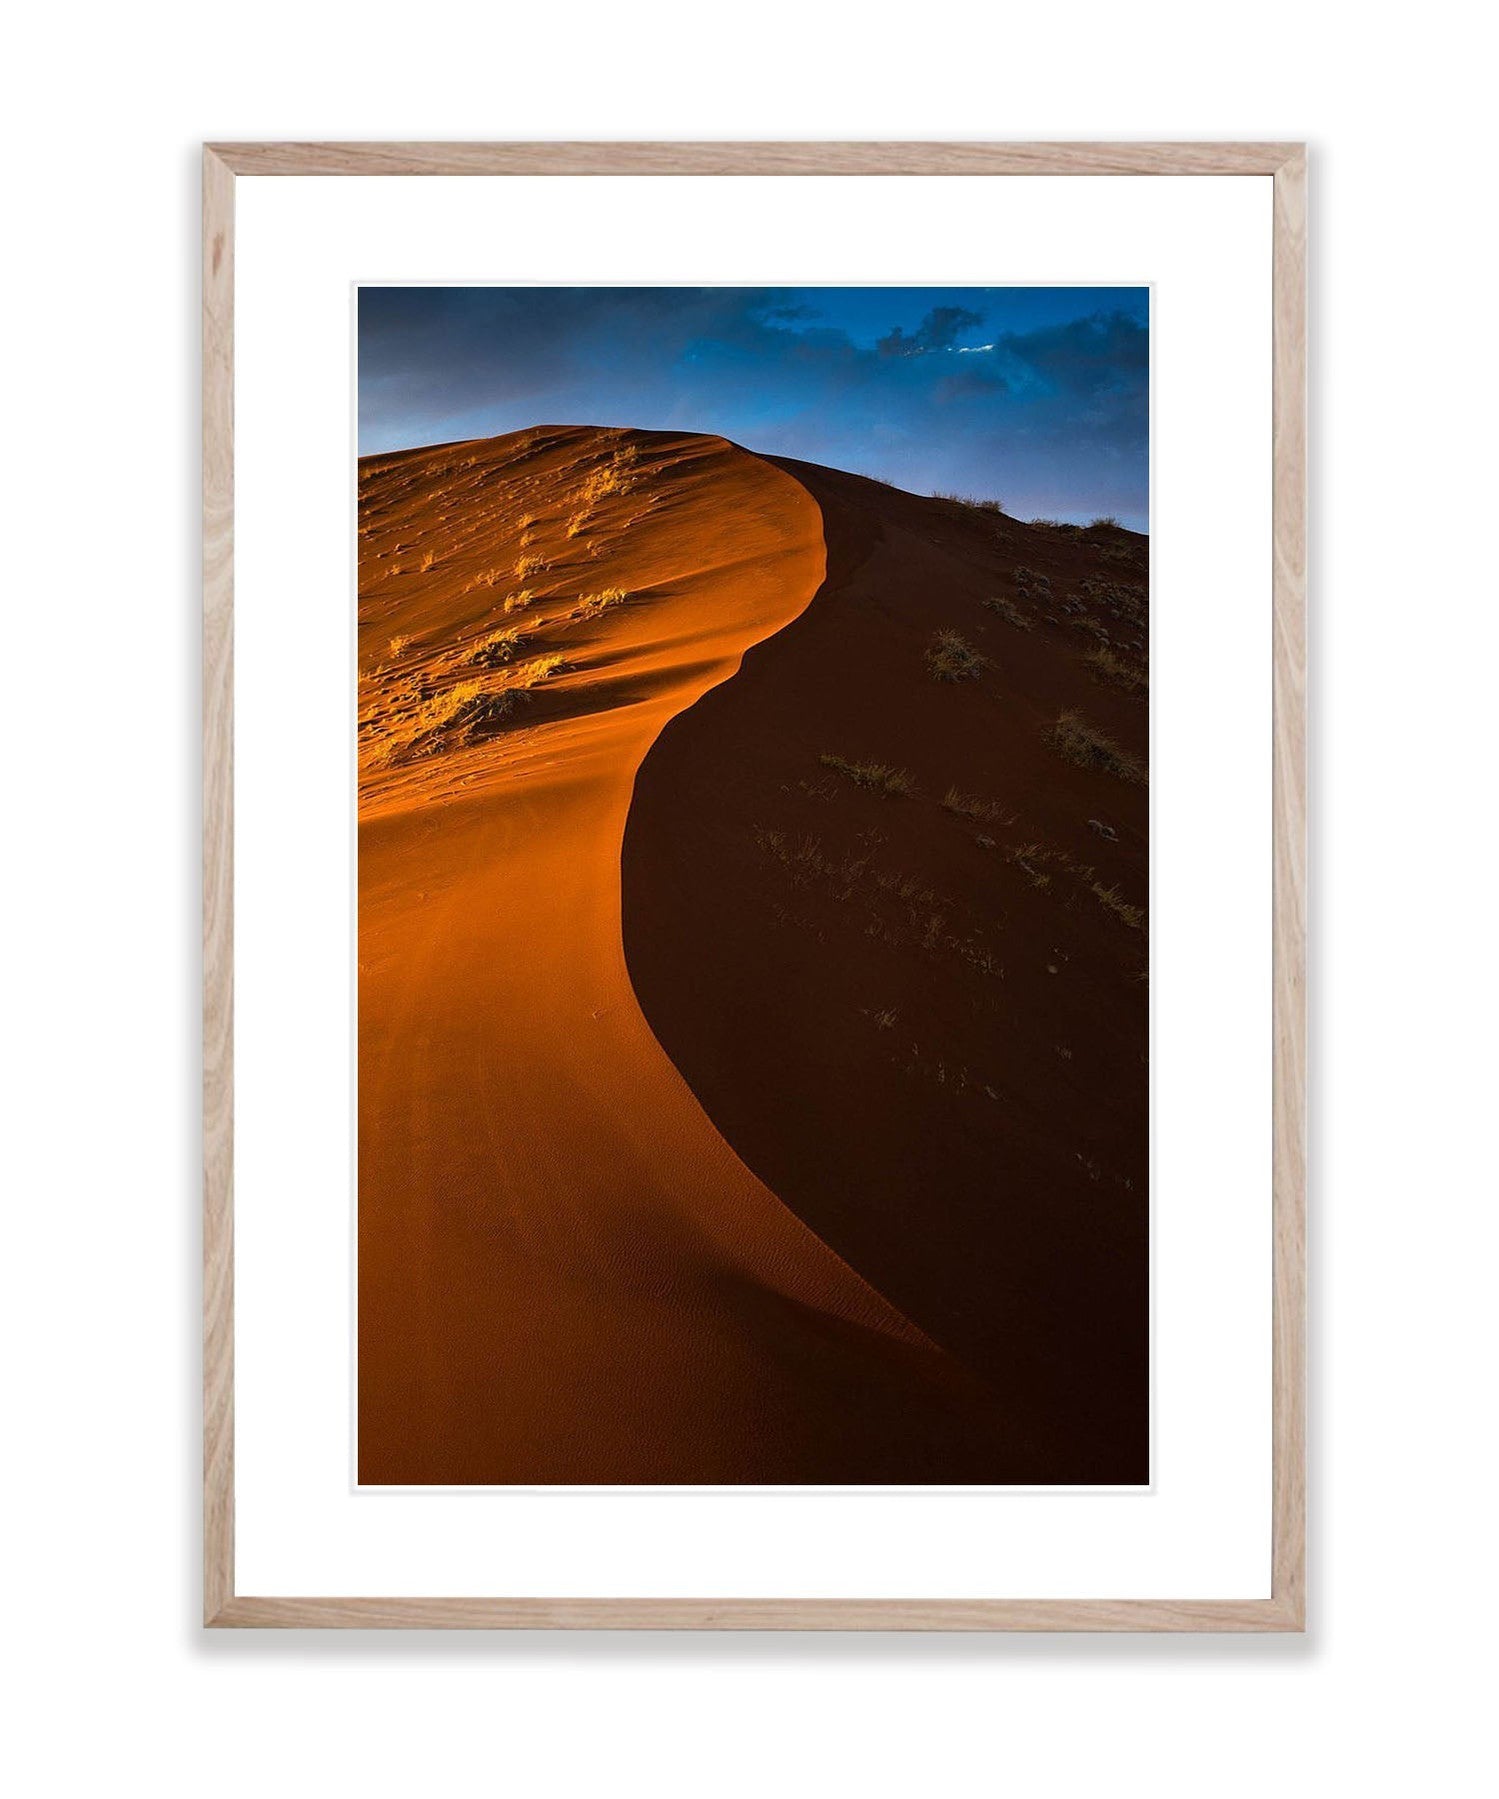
[565, 1271]
[890, 927]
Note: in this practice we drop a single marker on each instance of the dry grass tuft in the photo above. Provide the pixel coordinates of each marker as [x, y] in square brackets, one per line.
[880, 777]
[950, 657]
[595, 605]
[539, 669]
[452, 716]
[968, 805]
[967, 501]
[1113, 901]
[1008, 611]
[497, 648]
[617, 476]
[1104, 665]
[529, 565]
[1073, 738]
[517, 602]
[398, 645]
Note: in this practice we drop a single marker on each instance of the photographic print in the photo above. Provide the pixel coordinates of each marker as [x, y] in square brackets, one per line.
[753, 873]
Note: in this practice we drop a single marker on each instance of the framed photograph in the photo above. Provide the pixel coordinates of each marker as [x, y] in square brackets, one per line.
[754, 886]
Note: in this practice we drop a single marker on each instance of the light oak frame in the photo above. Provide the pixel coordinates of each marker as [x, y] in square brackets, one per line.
[1285, 164]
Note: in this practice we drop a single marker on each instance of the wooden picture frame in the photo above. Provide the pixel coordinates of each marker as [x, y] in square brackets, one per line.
[1284, 1610]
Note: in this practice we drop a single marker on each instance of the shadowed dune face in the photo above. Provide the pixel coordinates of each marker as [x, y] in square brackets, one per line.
[884, 909]
[566, 1273]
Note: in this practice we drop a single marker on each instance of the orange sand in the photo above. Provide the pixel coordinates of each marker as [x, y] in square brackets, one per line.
[565, 1272]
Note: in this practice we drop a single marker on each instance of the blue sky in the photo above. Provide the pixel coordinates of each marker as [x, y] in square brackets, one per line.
[1035, 396]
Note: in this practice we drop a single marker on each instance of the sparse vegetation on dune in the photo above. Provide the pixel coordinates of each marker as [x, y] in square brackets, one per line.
[595, 605]
[1113, 901]
[452, 714]
[970, 503]
[419, 721]
[880, 777]
[529, 565]
[538, 669]
[496, 648]
[1041, 862]
[950, 657]
[1074, 739]
[1104, 665]
[1125, 601]
[518, 601]
[968, 805]
[617, 476]
[1008, 611]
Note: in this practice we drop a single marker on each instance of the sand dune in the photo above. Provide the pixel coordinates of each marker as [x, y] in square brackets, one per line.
[566, 1271]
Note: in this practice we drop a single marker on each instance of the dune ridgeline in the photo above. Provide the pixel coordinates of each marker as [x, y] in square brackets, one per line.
[752, 975]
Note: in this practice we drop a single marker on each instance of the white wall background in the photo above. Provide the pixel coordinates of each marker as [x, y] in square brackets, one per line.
[117, 1685]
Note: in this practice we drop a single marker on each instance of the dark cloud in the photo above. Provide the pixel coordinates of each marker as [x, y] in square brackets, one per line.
[1086, 354]
[939, 330]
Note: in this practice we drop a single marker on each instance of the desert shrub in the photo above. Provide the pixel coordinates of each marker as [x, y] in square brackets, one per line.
[529, 565]
[594, 605]
[451, 716]
[968, 805]
[1113, 901]
[950, 657]
[1008, 611]
[517, 602]
[1104, 665]
[1073, 738]
[879, 776]
[496, 649]
[531, 674]
[617, 476]
[969, 502]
